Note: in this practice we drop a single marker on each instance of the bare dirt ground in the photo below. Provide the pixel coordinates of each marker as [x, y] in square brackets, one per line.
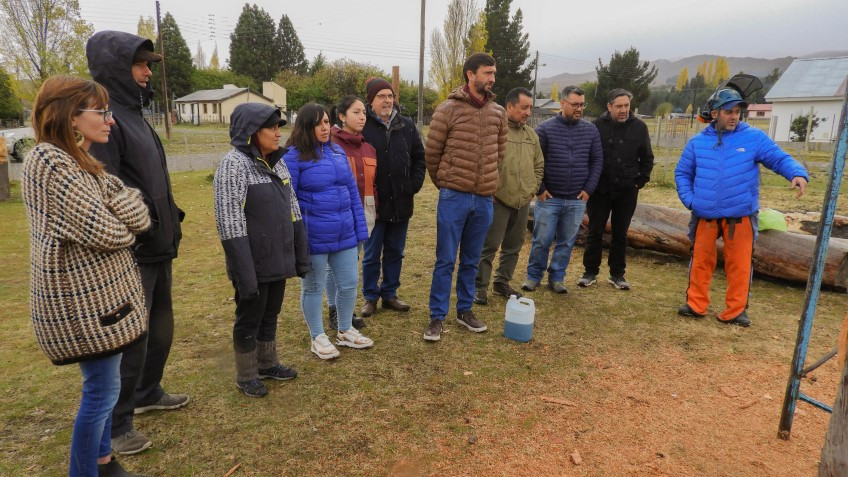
[655, 415]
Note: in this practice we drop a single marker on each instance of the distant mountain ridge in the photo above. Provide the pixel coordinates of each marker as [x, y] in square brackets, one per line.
[667, 70]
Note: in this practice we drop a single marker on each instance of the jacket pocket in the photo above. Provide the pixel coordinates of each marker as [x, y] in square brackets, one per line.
[117, 315]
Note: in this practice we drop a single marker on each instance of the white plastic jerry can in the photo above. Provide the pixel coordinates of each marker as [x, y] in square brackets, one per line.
[519, 318]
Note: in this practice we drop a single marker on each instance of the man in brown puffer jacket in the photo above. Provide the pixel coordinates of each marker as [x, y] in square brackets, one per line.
[466, 142]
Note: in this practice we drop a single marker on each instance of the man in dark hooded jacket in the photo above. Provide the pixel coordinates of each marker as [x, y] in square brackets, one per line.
[121, 63]
[628, 160]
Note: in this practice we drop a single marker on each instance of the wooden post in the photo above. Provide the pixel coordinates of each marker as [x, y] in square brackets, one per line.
[5, 189]
[396, 82]
[420, 121]
[834, 455]
[809, 130]
[162, 66]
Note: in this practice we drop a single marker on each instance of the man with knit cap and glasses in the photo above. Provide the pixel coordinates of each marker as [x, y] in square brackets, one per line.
[400, 174]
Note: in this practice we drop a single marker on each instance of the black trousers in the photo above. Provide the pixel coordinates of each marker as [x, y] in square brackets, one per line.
[143, 363]
[256, 318]
[620, 205]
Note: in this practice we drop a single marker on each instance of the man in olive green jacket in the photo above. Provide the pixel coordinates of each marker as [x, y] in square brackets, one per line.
[520, 173]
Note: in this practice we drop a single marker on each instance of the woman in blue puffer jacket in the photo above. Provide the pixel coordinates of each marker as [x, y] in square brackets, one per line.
[335, 224]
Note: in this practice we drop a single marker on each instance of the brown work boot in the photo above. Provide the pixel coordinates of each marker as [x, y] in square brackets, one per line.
[368, 308]
[395, 304]
[434, 330]
[468, 320]
[503, 289]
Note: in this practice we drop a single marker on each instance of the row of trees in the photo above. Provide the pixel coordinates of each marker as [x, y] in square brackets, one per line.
[468, 29]
[688, 94]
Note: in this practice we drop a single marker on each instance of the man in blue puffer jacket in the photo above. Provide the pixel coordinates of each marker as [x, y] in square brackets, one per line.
[573, 162]
[718, 180]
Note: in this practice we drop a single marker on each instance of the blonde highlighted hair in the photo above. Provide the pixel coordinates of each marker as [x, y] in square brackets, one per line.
[59, 101]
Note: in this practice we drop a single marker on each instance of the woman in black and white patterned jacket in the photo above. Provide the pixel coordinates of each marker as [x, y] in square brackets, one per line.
[86, 302]
[264, 240]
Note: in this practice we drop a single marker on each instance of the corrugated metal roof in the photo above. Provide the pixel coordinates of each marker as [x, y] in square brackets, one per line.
[811, 78]
[206, 95]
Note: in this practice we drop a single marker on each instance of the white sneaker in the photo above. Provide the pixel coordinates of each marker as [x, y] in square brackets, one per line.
[352, 338]
[322, 347]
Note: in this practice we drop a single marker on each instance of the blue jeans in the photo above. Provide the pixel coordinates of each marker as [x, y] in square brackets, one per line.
[388, 239]
[92, 434]
[554, 218]
[331, 280]
[462, 221]
[345, 271]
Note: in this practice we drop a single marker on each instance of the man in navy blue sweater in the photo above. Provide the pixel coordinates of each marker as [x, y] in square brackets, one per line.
[573, 161]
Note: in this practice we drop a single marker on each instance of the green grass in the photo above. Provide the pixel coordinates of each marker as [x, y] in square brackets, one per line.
[407, 403]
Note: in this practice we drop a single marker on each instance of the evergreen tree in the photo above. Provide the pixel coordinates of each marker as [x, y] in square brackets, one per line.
[289, 48]
[318, 63]
[253, 49]
[216, 79]
[625, 71]
[768, 82]
[10, 105]
[798, 127]
[178, 62]
[509, 46]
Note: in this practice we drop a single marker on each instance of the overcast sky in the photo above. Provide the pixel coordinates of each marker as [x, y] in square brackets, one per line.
[569, 39]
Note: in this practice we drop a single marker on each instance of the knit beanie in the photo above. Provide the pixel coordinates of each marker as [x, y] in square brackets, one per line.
[374, 85]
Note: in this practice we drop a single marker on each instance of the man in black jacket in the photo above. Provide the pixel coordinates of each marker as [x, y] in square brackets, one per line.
[400, 174]
[628, 160]
[121, 63]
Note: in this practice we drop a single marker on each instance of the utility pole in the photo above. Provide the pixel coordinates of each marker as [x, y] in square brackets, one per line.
[164, 83]
[421, 72]
[535, 77]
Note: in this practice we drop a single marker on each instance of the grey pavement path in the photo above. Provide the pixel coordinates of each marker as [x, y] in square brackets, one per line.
[176, 163]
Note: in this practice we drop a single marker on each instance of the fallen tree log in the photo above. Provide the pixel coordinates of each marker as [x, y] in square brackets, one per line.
[783, 255]
[834, 455]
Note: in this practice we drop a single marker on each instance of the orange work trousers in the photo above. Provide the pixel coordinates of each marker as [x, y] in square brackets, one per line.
[738, 235]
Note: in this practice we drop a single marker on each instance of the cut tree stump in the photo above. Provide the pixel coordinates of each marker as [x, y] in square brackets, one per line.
[783, 255]
[834, 455]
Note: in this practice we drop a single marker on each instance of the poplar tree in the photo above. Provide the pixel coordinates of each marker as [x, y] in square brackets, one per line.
[682, 78]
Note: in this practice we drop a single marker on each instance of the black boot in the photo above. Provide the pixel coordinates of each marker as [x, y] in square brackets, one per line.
[113, 469]
[247, 375]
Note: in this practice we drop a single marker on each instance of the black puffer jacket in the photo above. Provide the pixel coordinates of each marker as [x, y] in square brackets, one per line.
[256, 210]
[628, 158]
[400, 164]
[134, 152]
